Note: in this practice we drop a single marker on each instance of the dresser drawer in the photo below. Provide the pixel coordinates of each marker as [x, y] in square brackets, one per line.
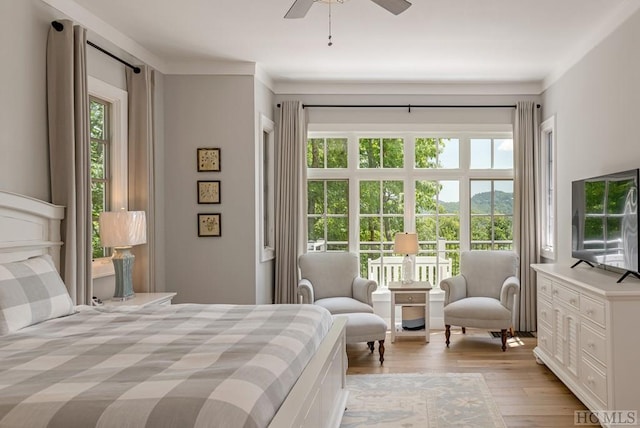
[544, 286]
[410, 298]
[594, 344]
[593, 310]
[594, 380]
[545, 313]
[545, 340]
[565, 295]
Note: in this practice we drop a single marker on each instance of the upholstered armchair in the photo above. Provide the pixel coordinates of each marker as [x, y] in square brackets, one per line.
[332, 280]
[485, 293]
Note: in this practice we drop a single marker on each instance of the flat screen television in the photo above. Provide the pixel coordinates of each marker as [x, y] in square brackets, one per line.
[604, 221]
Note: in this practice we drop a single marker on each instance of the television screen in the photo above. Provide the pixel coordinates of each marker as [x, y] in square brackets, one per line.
[605, 220]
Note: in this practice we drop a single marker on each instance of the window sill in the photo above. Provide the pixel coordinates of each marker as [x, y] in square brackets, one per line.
[101, 268]
[548, 254]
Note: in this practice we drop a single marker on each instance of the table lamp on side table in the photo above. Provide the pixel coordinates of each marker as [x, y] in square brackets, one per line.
[407, 244]
[121, 230]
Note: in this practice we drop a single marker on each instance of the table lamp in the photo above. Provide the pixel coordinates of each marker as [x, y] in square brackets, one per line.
[407, 244]
[121, 230]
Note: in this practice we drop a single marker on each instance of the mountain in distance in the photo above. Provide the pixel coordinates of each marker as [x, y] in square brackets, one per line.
[481, 203]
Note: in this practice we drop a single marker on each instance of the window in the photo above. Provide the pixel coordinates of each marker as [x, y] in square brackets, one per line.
[381, 217]
[328, 197]
[491, 214]
[548, 173]
[454, 189]
[100, 170]
[328, 215]
[267, 183]
[108, 152]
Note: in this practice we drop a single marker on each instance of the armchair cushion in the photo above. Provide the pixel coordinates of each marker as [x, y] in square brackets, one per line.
[343, 305]
[481, 312]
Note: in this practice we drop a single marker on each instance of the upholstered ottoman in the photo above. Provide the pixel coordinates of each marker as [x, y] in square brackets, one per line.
[364, 327]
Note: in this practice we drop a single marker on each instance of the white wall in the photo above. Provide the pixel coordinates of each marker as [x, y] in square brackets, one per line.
[210, 111]
[597, 110]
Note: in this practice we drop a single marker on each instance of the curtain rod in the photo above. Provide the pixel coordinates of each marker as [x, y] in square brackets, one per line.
[59, 26]
[407, 106]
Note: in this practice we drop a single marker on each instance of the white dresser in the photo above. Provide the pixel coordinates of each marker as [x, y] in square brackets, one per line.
[588, 328]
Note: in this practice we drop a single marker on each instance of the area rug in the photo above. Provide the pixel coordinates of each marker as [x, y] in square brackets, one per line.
[430, 400]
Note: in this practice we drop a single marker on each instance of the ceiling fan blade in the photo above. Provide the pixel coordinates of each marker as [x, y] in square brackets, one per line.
[299, 9]
[394, 6]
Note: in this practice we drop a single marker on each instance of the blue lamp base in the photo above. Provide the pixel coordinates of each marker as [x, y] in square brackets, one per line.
[123, 265]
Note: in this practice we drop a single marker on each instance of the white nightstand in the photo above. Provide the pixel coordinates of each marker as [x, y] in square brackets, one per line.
[143, 299]
[413, 294]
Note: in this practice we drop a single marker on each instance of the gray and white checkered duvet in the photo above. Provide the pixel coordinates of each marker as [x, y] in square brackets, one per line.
[160, 366]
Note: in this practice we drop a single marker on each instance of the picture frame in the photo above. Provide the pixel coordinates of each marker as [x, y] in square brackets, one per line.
[209, 224]
[208, 159]
[208, 191]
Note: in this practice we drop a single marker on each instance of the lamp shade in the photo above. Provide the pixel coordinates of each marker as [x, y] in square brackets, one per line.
[406, 243]
[123, 228]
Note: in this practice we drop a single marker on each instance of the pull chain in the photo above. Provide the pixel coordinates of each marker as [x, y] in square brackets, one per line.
[330, 42]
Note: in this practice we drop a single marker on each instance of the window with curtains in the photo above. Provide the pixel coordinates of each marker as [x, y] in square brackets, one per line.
[548, 191]
[108, 132]
[454, 189]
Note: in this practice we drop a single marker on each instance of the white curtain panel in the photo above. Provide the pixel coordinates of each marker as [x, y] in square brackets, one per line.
[69, 143]
[291, 195]
[141, 155]
[527, 219]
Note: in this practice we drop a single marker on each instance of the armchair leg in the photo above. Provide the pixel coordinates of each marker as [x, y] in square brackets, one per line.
[381, 350]
[504, 339]
[447, 333]
[464, 330]
[370, 344]
[511, 332]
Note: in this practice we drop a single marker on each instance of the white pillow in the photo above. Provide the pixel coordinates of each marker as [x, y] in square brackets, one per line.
[31, 291]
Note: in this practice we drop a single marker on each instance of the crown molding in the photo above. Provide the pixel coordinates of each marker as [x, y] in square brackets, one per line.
[622, 13]
[407, 88]
[265, 78]
[91, 22]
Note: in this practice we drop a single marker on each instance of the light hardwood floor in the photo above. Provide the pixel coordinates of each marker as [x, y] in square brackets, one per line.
[528, 394]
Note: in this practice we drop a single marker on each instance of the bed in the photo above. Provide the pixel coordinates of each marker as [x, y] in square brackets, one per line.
[178, 365]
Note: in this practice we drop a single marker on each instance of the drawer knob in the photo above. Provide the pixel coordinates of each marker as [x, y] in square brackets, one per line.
[555, 292]
[589, 311]
[572, 301]
[590, 379]
[543, 312]
[590, 344]
[411, 298]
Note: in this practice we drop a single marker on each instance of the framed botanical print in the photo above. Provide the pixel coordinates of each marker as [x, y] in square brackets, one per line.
[209, 224]
[208, 159]
[208, 191]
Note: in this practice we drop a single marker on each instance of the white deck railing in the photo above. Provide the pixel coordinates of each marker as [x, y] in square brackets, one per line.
[427, 268]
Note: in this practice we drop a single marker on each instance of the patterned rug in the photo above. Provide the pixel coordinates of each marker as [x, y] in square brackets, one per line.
[429, 400]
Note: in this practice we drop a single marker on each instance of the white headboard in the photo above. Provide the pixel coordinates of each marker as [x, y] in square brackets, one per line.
[28, 227]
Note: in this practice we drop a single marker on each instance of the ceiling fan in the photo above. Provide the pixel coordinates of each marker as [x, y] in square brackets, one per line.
[299, 8]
